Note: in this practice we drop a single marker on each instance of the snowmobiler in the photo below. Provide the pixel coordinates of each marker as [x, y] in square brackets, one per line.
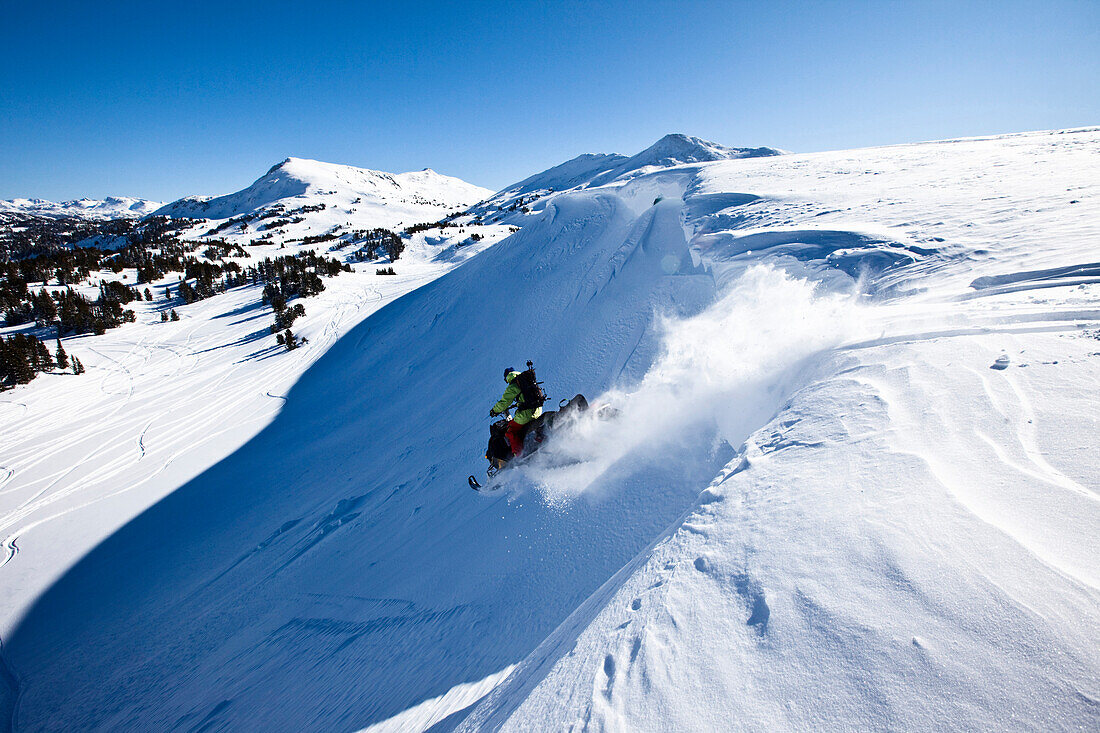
[524, 391]
[515, 437]
[500, 453]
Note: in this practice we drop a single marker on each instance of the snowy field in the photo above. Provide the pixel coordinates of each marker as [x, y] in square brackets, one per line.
[854, 484]
[160, 403]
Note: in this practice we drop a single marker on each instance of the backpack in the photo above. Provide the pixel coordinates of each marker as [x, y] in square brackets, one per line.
[531, 395]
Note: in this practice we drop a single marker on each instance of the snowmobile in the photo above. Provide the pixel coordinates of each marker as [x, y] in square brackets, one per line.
[539, 430]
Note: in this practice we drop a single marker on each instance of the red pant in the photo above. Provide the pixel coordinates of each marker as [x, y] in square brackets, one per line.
[515, 435]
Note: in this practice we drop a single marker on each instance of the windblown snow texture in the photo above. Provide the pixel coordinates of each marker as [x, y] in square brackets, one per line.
[820, 509]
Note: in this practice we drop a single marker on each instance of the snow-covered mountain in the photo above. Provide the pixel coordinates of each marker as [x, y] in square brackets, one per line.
[678, 149]
[352, 194]
[296, 201]
[575, 173]
[112, 207]
[530, 195]
[853, 484]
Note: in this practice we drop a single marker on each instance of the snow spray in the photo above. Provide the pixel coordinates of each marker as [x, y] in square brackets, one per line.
[719, 376]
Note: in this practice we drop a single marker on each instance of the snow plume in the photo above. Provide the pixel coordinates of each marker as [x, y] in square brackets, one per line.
[720, 375]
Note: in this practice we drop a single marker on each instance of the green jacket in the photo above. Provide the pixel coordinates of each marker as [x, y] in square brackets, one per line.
[511, 394]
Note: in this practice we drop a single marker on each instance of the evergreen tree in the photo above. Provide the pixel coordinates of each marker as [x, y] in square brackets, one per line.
[62, 357]
[44, 308]
[21, 357]
[175, 316]
[44, 358]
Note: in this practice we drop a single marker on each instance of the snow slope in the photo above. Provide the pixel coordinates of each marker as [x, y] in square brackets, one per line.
[574, 173]
[112, 207]
[853, 486]
[911, 541]
[161, 402]
[151, 412]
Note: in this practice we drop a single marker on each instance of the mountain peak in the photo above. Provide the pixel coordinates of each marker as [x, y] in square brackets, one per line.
[281, 165]
[681, 140]
[678, 148]
[314, 181]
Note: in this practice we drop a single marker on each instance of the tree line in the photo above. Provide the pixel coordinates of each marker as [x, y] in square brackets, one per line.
[293, 276]
[23, 357]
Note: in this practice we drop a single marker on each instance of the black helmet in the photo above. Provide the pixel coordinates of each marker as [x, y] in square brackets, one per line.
[508, 371]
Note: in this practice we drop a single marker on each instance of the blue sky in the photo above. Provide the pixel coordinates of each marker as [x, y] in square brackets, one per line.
[162, 100]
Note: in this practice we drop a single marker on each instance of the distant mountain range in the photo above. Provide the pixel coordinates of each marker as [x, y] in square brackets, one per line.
[112, 207]
[377, 198]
